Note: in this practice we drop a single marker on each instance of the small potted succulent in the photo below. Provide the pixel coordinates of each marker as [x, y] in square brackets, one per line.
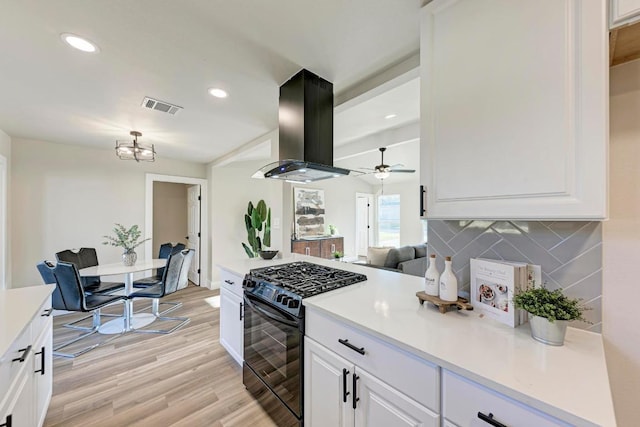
[550, 311]
[128, 239]
[337, 255]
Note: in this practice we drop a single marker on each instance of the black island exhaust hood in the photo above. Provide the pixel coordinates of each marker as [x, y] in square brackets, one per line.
[305, 132]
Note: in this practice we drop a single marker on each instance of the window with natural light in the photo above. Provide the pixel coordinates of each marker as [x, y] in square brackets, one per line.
[389, 220]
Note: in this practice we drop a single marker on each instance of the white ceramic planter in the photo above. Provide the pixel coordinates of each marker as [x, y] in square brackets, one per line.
[551, 333]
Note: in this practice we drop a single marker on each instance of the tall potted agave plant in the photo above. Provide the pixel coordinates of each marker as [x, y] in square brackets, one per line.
[257, 221]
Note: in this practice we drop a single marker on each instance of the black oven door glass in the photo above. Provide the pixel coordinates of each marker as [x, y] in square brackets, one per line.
[272, 348]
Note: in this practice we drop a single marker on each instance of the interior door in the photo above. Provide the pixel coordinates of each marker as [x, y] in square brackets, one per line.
[193, 231]
[363, 223]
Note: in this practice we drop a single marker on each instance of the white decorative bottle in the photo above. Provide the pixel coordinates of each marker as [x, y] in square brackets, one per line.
[448, 282]
[432, 278]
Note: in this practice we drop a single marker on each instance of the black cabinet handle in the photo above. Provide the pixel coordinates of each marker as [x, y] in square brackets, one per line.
[489, 419]
[230, 282]
[47, 312]
[422, 209]
[42, 361]
[7, 421]
[241, 311]
[345, 393]
[355, 398]
[351, 346]
[25, 353]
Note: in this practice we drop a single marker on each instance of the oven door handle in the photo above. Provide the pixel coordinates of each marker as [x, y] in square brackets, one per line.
[270, 315]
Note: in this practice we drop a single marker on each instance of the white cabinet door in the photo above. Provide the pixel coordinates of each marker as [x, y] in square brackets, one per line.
[232, 324]
[624, 12]
[19, 411]
[380, 405]
[514, 109]
[327, 387]
[42, 371]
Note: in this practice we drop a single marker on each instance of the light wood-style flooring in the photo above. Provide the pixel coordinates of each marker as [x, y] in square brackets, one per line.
[182, 379]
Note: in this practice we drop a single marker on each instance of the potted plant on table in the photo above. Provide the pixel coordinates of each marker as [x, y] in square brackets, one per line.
[128, 239]
[337, 255]
[256, 220]
[550, 311]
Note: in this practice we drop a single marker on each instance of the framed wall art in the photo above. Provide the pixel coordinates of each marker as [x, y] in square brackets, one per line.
[308, 204]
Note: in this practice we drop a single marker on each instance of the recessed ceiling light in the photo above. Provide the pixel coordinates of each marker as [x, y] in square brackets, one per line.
[390, 116]
[79, 43]
[218, 93]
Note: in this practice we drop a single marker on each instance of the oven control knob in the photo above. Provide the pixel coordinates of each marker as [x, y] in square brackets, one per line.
[279, 297]
[285, 300]
[294, 303]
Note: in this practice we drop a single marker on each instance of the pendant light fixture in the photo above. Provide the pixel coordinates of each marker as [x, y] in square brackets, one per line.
[134, 150]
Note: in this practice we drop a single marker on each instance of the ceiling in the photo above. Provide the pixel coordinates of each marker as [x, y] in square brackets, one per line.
[174, 51]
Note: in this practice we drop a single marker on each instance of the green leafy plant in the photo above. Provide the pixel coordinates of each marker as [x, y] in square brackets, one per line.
[257, 220]
[337, 254]
[125, 238]
[553, 305]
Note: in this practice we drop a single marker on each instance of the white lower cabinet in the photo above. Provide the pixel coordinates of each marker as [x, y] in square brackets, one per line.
[466, 403]
[232, 315]
[339, 393]
[26, 388]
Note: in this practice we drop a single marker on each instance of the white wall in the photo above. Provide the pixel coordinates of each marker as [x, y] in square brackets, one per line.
[621, 243]
[231, 189]
[411, 232]
[68, 196]
[5, 151]
[169, 213]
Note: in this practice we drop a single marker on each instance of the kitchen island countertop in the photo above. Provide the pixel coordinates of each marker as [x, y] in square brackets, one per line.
[568, 382]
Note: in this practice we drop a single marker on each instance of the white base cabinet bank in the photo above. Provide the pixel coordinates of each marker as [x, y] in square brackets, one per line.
[352, 379]
[26, 362]
[231, 315]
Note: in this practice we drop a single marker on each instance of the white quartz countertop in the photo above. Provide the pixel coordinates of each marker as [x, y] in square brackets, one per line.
[569, 382]
[17, 308]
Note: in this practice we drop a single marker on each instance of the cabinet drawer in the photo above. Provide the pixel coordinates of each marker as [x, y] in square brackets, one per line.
[231, 282]
[463, 399]
[9, 368]
[407, 373]
[41, 318]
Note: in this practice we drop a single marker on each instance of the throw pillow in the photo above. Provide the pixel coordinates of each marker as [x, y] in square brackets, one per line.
[398, 255]
[421, 250]
[377, 256]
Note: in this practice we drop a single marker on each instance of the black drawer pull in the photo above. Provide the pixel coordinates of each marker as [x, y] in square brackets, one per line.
[47, 312]
[25, 353]
[241, 311]
[489, 419]
[351, 346]
[355, 398]
[7, 421]
[230, 282]
[42, 361]
[345, 393]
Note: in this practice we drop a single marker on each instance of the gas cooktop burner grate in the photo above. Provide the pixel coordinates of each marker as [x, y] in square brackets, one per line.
[306, 279]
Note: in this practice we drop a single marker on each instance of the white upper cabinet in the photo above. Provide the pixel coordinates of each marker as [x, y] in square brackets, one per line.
[514, 109]
[624, 12]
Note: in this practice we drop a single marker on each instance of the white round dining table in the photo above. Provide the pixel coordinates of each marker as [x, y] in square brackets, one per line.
[130, 320]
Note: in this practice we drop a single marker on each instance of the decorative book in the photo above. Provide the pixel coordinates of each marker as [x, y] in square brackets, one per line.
[493, 284]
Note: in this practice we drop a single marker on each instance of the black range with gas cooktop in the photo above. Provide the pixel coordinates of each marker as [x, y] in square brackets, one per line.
[274, 330]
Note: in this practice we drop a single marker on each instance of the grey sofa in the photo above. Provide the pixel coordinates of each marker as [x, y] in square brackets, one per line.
[406, 259]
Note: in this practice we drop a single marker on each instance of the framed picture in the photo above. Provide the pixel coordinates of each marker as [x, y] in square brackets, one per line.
[308, 205]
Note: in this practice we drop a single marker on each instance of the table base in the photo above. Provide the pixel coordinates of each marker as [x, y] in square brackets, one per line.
[116, 326]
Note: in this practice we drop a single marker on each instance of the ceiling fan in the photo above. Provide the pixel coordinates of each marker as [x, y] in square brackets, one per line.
[383, 170]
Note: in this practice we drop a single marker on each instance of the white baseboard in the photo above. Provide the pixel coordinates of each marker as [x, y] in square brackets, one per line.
[214, 285]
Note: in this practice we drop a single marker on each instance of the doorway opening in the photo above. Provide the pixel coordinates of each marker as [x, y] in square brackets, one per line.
[176, 211]
[364, 220]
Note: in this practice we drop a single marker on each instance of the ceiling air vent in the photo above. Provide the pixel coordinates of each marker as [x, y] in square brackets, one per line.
[165, 107]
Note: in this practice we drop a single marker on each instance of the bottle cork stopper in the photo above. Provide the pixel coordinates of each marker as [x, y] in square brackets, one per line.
[432, 255]
[447, 258]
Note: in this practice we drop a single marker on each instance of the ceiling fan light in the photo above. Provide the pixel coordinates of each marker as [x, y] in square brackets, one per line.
[381, 174]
